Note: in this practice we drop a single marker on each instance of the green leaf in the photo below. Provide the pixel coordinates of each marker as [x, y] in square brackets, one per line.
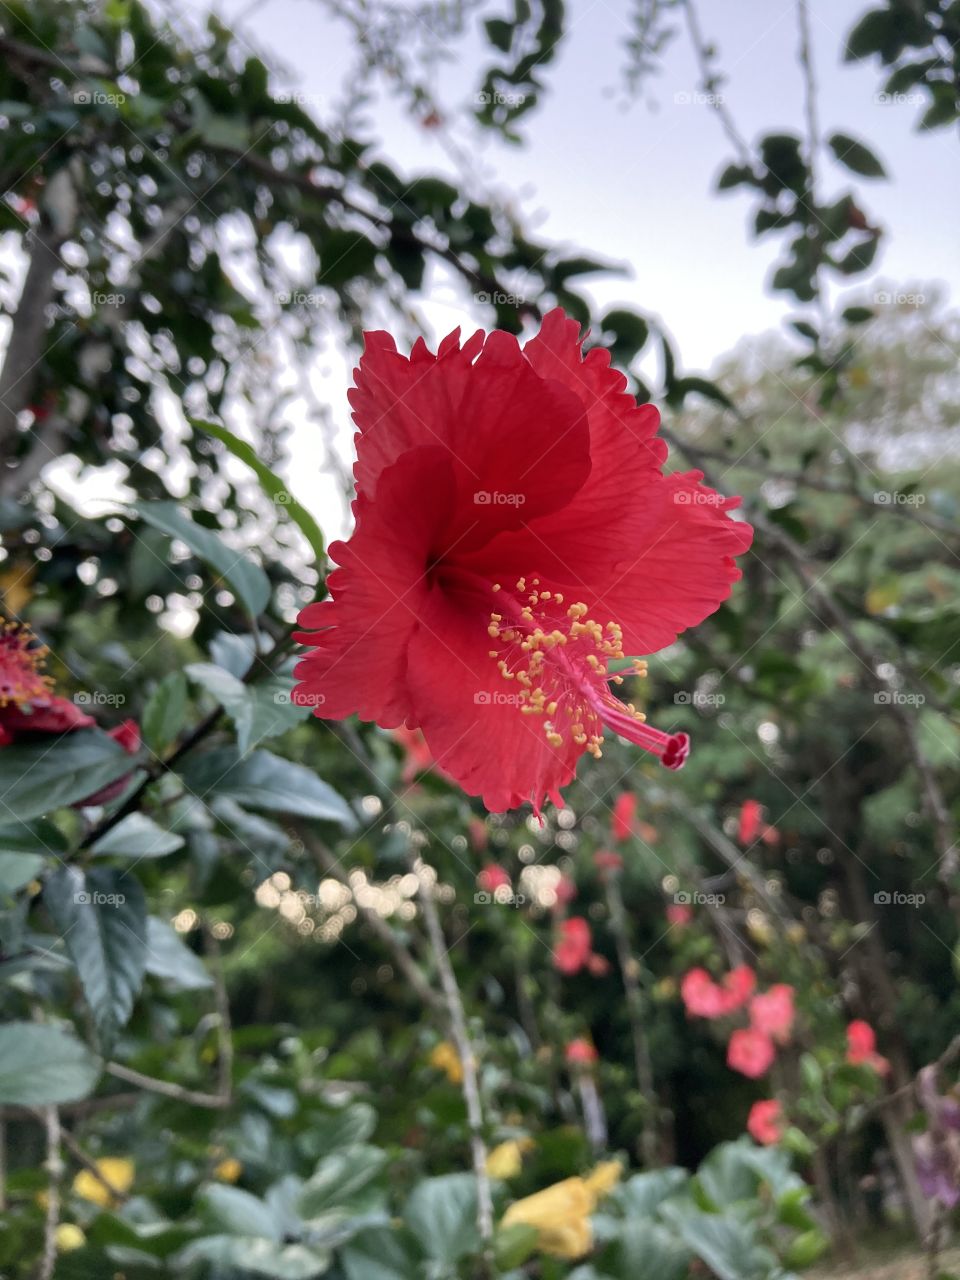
[271, 484]
[857, 157]
[728, 1246]
[137, 836]
[345, 255]
[36, 837]
[806, 1249]
[18, 869]
[245, 578]
[239, 1213]
[37, 777]
[640, 1195]
[648, 1249]
[735, 175]
[379, 1253]
[259, 711]
[265, 781]
[102, 917]
[42, 1065]
[254, 1255]
[442, 1215]
[344, 1128]
[165, 713]
[170, 959]
[857, 315]
[341, 1180]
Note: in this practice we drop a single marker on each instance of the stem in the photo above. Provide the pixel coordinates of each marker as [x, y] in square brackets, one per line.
[54, 1167]
[464, 1046]
[649, 1145]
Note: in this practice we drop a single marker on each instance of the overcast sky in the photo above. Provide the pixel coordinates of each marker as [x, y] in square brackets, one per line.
[635, 183]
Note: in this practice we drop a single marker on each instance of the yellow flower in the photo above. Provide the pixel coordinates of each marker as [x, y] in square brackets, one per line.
[602, 1179]
[445, 1058]
[228, 1170]
[69, 1236]
[561, 1216]
[506, 1160]
[117, 1170]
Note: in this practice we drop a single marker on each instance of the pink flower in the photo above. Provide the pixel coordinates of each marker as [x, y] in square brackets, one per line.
[575, 945]
[772, 1012]
[862, 1045]
[705, 998]
[624, 816]
[580, 1052]
[565, 891]
[607, 862]
[750, 1052]
[765, 1122]
[752, 825]
[493, 877]
[678, 913]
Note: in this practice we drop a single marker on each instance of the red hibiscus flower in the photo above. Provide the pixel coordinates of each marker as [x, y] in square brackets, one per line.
[773, 1012]
[862, 1047]
[679, 914]
[27, 704]
[580, 1052]
[750, 1052]
[564, 893]
[765, 1122]
[574, 947]
[493, 877]
[499, 561]
[704, 998]
[624, 816]
[418, 757]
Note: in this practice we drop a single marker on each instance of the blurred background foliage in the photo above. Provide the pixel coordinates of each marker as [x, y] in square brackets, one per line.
[268, 1011]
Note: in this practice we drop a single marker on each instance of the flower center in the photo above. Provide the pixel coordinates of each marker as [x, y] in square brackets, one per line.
[21, 665]
[558, 658]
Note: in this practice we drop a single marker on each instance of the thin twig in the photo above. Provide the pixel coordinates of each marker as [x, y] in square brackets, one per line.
[464, 1046]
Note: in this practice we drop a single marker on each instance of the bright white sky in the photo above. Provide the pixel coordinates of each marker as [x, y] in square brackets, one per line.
[634, 183]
